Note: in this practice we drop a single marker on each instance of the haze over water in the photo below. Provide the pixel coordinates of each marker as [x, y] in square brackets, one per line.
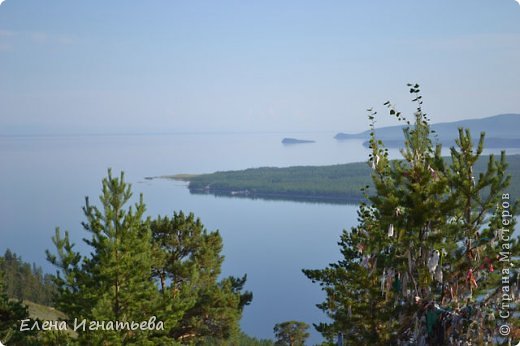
[45, 179]
[137, 66]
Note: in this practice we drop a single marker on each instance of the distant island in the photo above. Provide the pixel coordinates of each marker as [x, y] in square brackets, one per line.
[502, 131]
[342, 183]
[337, 184]
[296, 141]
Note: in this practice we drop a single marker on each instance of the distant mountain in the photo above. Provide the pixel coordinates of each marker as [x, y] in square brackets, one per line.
[502, 131]
[295, 141]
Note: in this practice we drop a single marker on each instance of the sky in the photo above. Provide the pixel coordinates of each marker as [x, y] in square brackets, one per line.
[81, 67]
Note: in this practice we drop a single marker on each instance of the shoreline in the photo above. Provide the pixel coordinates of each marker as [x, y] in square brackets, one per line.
[331, 184]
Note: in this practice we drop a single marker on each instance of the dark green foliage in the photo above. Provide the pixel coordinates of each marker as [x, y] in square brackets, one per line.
[245, 340]
[426, 244]
[114, 282]
[291, 333]
[25, 282]
[328, 184]
[238, 340]
[338, 183]
[187, 268]
[11, 313]
[139, 268]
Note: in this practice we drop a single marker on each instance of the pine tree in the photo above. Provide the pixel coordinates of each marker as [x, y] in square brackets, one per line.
[291, 333]
[114, 283]
[25, 282]
[12, 312]
[425, 247]
[138, 268]
[188, 265]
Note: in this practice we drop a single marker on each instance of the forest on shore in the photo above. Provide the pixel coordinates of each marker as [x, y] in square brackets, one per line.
[433, 260]
[338, 184]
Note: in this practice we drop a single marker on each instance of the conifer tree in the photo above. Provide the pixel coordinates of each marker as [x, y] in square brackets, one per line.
[12, 312]
[24, 281]
[419, 267]
[114, 283]
[188, 267]
[291, 333]
[138, 268]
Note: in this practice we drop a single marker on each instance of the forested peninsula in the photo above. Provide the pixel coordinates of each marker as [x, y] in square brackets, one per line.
[339, 184]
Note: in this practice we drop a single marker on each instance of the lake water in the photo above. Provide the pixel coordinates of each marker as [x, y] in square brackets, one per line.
[43, 182]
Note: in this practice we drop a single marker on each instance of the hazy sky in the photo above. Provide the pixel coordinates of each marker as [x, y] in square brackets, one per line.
[166, 66]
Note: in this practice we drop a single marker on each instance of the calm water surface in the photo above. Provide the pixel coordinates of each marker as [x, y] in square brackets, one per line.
[43, 182]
